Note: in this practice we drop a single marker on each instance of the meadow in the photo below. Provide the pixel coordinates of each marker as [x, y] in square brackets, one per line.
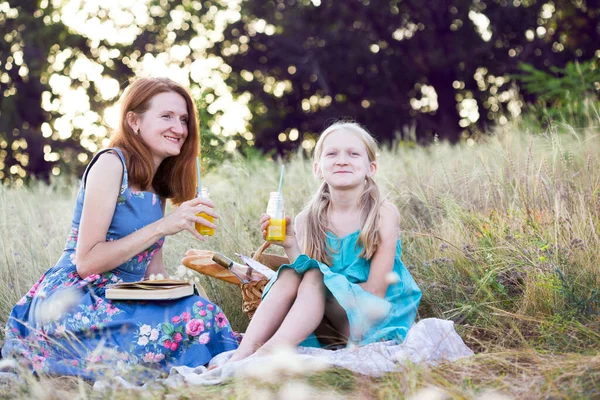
[502, 235]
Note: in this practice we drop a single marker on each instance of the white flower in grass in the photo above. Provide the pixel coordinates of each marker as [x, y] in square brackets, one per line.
[299, 390]
[58, 305]
[156, 277]
[260, 394]
[392, 278]
[368, 312]
[60, 329]
[143, 340]
[181, 271]
[376, 312]
[492, 395]
[352, 345]
[430, 393]
[145, 330]
[8, 363]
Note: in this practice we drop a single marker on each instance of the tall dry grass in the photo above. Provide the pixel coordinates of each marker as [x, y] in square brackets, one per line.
[502, 235]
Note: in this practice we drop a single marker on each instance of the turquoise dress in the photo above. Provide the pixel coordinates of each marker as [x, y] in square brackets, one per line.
[65, 325]
[371, 318]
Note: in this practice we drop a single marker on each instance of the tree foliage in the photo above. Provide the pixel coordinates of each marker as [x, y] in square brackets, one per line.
[41, 133]
[568, 94]
[378, 60]
[404, 68]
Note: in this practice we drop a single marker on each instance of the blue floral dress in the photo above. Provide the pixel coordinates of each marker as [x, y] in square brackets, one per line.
[65, 325]
[371, 318]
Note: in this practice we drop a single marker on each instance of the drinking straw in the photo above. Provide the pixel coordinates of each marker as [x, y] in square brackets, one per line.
[279, 191]
[199, 185]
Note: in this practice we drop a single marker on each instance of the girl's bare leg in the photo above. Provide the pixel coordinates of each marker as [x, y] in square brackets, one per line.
[304, 316]
[270, 313]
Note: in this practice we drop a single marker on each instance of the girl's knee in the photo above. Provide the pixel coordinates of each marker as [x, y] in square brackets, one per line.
[288, 281]
[289, 275]
[314, 274]
[313, 280]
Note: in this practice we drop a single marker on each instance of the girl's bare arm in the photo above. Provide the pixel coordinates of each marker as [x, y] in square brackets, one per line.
[382, 262]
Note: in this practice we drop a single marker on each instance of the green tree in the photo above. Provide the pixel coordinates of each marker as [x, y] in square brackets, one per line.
[30, 36]
[40, 133]
[440, 66]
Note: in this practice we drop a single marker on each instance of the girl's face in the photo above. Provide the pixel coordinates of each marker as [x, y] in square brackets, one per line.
[344, 161]
[164, 126]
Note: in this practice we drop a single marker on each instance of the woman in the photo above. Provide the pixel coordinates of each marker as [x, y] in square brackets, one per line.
[117, 234]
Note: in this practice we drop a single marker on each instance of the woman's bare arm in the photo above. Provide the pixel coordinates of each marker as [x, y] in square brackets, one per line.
[94, 255]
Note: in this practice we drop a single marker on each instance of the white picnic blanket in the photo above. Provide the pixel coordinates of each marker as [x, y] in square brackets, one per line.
[429, 341]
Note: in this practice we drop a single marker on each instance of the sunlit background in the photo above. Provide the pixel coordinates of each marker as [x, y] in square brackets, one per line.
[270, 75]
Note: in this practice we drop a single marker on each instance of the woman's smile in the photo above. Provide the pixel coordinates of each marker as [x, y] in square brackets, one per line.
[173, 139]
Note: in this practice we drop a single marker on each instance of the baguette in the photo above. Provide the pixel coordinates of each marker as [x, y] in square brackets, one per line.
[201, 262]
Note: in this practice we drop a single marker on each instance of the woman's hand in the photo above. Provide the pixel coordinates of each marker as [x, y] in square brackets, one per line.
[185, 216]
[290, 235]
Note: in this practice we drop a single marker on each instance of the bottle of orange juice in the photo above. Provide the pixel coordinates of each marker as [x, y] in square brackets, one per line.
[275, 209]
[205, 230]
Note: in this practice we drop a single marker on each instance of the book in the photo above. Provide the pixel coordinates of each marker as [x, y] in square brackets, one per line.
[160, 289]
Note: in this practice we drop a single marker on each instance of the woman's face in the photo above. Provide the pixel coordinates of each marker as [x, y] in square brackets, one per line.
[164, 126]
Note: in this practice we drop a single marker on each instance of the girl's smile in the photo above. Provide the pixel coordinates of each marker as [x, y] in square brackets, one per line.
[344, 162]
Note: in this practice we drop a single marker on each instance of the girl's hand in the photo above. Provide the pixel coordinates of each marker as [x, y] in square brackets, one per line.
[290, 235]
[184, 217]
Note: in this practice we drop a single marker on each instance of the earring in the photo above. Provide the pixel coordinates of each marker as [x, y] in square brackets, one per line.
[136, 131]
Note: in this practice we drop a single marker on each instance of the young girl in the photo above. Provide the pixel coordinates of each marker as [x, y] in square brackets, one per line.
[344, 252]
[65, 325]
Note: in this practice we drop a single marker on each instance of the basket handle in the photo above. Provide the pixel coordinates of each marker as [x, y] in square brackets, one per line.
[260, 250]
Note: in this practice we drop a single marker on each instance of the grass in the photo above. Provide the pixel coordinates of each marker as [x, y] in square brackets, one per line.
[501, 235]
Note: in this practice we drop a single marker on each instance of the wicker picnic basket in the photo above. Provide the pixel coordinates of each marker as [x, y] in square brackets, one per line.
[252, 291]
[202, 262]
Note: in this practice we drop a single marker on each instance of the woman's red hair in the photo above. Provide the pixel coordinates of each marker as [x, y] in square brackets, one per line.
[176, 176]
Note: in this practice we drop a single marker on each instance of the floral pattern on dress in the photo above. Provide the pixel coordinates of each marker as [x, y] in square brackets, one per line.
[141, 261]
[183, 330]
[122, 199]
[137, 194]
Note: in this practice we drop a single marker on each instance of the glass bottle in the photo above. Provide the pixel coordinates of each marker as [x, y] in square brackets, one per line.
[205, 230]
[275, 209]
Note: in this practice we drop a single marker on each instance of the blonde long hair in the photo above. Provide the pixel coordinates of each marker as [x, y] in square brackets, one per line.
[315, 233]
